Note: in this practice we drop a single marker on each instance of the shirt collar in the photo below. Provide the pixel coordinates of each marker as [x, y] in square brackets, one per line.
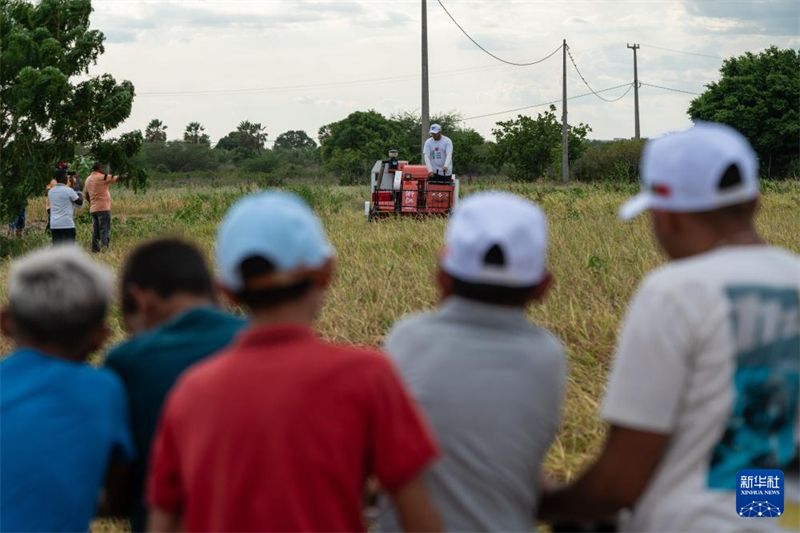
[254, 336]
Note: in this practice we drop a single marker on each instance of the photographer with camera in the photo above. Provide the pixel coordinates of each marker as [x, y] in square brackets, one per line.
[99, 198]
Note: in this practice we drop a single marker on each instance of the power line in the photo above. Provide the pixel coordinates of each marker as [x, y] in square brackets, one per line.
[683, 52]
[329, 85]
[584, 79]
[629, 85]
[669, 89]
[487, 51]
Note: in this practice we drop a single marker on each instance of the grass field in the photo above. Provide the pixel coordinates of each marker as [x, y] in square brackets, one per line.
[385, 269]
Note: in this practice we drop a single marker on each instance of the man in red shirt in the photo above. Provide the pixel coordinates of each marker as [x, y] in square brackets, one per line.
[280, 431]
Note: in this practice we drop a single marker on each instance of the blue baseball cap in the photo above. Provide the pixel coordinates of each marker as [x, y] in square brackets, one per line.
[276, 226]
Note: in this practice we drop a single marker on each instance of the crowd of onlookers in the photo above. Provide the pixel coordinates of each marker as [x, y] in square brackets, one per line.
[65, 192]
[205, 420]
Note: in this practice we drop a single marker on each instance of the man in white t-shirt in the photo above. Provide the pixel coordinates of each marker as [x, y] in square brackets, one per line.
[62, 216]
[439, 154]
[705, 380]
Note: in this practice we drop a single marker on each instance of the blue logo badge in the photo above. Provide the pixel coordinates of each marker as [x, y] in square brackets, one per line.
[759, 493]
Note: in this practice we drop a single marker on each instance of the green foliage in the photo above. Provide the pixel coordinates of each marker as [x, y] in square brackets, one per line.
[266, 161]
[43, 115]
[759, 95]
[527, 147]
[156, 131]
[293, 140]
[351, 146]
[177, 156]
[616, 161]
[193, 134]
[247, 141]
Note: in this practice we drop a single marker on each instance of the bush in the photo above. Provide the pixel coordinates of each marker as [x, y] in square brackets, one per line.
[264, 162]
[176, 156]
[616, 161]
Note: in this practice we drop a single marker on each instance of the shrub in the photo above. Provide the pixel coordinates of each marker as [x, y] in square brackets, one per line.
[616, 161]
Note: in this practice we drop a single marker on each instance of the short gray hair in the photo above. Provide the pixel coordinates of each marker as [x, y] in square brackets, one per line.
[58, 294]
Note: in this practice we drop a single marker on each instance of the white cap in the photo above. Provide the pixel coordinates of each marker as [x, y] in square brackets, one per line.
[681, 172]
[496, 219]
[435, 128]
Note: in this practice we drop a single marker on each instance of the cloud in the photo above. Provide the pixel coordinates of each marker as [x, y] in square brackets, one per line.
[765, 17]
[120, 36]
[576, 20]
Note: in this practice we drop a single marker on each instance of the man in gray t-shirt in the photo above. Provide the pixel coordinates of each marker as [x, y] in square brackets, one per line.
[489, 381]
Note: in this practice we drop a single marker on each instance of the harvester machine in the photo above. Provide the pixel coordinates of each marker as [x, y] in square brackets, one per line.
[400, 189]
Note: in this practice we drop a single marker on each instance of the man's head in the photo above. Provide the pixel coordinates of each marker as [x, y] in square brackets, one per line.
[97, 166]
[162, 279]
[61, 176]
[57, 302]
[273, 255]
[436, 132]
[701, 186]
[495, 251]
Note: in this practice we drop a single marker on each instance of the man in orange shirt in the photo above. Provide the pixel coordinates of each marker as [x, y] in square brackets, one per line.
[99, 198]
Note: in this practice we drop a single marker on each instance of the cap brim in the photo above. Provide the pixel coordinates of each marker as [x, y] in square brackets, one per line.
[636, 206]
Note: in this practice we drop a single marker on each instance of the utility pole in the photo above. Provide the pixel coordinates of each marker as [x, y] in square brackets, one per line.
[425, 102]
[635, 47]
[564, 137]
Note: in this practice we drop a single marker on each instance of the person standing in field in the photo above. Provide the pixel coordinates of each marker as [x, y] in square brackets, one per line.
[438, 154]
[169, 306]
[706, 377]
[62, 210]
[280, 431]
[64, 423]
[490, 382]
[99, 198]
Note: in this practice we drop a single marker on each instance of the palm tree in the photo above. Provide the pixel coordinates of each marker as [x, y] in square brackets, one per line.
[251, 136]
[194, 134]
[156, 131]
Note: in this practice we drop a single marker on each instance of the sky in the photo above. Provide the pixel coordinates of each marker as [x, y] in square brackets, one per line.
[300, 64]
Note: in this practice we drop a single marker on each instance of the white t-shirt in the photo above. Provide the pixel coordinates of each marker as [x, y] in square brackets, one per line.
[439, 154]
[710, 354]
[62, 198]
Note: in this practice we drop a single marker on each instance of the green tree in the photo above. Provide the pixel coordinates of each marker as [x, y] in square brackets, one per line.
[759, 95]
[156, 131]
[293, 140]
[194, 134]
[44, 116]
[351, 146]
[250, 137]
[526, 147]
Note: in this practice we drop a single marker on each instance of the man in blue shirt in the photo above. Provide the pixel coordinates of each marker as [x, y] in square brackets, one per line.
[169, 305]
[64, 423]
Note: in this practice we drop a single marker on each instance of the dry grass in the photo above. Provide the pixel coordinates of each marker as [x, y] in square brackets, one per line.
[385, 271]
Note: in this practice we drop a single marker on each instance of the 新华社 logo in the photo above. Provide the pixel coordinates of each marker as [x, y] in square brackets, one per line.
[759, 493]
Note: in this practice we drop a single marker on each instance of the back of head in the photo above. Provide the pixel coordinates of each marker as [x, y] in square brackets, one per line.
[496, 249]
[271, 248]
[708, 177]
[97, 166]
[61, 176]
[58, 296]
[166, 267]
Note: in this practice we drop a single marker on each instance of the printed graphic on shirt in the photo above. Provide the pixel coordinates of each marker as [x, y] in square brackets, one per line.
[437, 153]
[760, 430]
[759, 493]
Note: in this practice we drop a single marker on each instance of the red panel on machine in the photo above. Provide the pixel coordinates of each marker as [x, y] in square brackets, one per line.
[440, 197]
[410, 195]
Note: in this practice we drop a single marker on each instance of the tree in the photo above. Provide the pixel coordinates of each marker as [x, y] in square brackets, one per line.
[293, 140]
[156, 131]
[467, 154]
[250, 136]
[759, 95]
[44, 117]
[194, 134]
[352, 145]
[527, 147]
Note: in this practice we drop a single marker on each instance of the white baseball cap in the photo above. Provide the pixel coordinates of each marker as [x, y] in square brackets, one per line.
[681, 172]
[489, 220]
[435, 128]
[277, 226]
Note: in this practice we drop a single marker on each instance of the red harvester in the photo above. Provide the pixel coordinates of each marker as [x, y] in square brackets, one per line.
[406, 190]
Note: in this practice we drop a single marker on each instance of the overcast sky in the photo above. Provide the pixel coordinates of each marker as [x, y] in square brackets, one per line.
[292, 64]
